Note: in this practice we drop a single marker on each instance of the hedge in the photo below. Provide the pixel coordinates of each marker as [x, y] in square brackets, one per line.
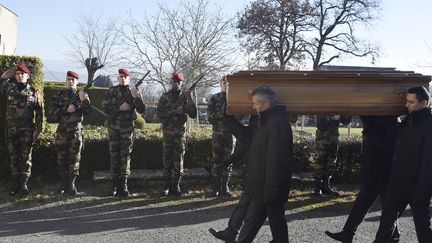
[147, 153]
[36, 78]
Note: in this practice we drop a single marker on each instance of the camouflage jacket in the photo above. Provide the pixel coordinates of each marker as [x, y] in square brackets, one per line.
[166, 111]
[24, 109]
[216, 110]
[57, 111]
[111, 107]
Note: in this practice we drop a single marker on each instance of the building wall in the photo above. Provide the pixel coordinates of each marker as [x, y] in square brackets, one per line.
[8, 31]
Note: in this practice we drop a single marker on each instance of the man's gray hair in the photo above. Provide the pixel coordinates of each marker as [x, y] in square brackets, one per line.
[267, 93]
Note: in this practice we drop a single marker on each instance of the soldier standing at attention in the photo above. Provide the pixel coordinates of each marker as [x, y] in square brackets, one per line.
[327, 142]
[222, 142]
[172, 110]
[24, 104]
[68, 108]
[120, 103]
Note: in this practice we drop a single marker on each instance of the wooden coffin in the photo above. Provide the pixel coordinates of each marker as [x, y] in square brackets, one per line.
[326, 92]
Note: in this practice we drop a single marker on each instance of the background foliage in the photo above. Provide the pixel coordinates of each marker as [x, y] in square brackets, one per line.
[147, 152]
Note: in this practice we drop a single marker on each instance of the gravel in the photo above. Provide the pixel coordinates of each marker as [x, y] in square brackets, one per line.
[145, 218]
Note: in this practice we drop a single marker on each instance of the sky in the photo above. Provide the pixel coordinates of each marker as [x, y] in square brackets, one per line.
[403, 30]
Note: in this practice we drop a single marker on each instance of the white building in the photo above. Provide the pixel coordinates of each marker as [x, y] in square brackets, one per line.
[8, 31]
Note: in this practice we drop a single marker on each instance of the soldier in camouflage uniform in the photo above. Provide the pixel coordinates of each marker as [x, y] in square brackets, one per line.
[222, 142]
[172, 110]
[327, 140]
[24, 104]
[120, 123]
[68, 108]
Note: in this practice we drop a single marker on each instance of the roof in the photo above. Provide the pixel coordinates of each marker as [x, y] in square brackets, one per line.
[8, 9]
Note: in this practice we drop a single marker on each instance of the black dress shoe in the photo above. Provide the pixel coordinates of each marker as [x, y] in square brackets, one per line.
[224, 235]
[342, 236]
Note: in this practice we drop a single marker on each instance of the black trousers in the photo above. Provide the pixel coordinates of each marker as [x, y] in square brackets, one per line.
[364, 201]
[238, 215]
[255, 217]
[393, 207]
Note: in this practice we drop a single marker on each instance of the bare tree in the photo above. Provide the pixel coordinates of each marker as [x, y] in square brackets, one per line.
[189, 38]
[334, 29]
[274, 30]
[93, 43]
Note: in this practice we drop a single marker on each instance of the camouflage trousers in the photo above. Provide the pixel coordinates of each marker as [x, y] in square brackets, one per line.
[222, 146]
[326, 155]
[174, 145]
[20, 146]
[120, 149]
[69, 145]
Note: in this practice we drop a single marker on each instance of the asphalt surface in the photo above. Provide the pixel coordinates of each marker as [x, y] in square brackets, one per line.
[152, 219]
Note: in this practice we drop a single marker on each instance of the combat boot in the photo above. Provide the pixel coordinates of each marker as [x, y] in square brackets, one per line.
[225, 188]
[326, 188]
[63, 188]
[216, 186]
[227, 235]
[16, 188]
[24, 191]
[343, 236]
[72, 190]
[318, 186]
[123, 188]
[176, 191]
[167, 188]
[115, 186]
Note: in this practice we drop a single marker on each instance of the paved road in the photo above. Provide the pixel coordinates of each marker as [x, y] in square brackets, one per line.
[149, 219]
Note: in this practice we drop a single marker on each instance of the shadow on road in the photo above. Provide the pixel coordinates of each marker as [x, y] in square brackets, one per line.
[90, 214]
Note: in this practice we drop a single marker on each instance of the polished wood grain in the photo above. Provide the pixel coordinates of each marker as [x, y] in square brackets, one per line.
[326, 92]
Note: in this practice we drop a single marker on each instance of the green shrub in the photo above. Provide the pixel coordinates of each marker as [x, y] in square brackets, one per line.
[349, 160]
[147, 152]
[140, 122]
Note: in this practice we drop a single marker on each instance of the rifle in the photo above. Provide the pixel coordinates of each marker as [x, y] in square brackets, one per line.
[126, 96]
[182, 97]
[76, 96]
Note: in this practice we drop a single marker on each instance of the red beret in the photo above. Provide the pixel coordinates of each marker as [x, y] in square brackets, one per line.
[178, 76]
[22, 68]
[72, 74]
[124, 71]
